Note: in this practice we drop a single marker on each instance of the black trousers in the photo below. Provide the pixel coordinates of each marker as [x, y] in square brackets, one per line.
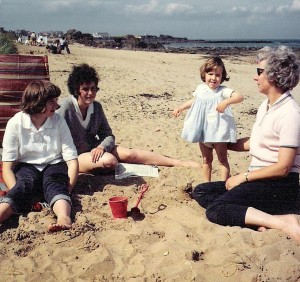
[50, 184]
[275, 196]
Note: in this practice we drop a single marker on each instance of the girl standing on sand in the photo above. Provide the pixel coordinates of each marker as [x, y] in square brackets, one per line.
[210, 120]
[39, 156]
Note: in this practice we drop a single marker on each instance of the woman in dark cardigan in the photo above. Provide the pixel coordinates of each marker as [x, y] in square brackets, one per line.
[91, 132]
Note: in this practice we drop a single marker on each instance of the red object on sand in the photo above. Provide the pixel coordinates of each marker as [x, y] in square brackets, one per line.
[144, 188]
[118, 206]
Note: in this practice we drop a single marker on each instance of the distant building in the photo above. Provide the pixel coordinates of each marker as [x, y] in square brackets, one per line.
[51, 33]
[101, 35]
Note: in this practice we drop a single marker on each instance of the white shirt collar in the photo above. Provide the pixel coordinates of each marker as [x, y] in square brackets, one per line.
[27, 123]
[89, 111]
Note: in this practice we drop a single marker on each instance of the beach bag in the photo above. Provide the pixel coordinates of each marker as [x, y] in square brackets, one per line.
[16, 71]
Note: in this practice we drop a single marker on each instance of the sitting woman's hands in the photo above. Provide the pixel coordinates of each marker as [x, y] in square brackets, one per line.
[97, 153]
[234, 181]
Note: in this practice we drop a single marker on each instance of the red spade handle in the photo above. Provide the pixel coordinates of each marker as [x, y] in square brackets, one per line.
[143, 190]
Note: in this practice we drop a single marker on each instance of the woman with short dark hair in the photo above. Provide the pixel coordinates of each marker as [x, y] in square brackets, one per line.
[91, 131]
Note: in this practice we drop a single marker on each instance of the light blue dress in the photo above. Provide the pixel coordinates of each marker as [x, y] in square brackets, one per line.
[203, 123]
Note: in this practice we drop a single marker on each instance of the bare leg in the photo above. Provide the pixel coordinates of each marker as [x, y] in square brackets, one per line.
[288, 224]
[62, 209]
[5, 211]
[221, 150]
[106, 161]
[207, 155]
[138, 156]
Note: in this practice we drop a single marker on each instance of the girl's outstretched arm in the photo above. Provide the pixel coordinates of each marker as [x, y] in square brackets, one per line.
[235, 98]
[177, 111]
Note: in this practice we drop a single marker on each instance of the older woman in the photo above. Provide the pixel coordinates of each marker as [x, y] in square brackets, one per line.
[270, 186]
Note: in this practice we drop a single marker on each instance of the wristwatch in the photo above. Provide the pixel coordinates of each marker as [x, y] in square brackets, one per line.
[246, 175]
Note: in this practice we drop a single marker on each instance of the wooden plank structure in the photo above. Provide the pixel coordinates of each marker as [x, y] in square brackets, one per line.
[16, 71]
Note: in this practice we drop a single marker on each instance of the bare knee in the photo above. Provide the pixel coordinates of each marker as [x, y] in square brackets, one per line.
[223, 160]
[130, 156]
[207, 160]
[86, 163]
[108, 161]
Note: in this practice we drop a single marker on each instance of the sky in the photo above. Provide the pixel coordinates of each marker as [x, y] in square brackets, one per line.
[194, 19]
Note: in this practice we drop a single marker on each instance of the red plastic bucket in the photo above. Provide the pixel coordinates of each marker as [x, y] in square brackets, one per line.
[118, 206]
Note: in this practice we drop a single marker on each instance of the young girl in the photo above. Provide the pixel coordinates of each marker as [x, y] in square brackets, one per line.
[210, 120]
[39, 156]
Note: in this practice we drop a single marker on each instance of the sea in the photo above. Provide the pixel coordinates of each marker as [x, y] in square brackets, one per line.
[234, 44]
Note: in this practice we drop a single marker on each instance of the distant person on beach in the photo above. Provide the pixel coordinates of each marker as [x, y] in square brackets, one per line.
[64, 45]
[54, 47]
[91, 132]
[39, 157]
[40, 41]
[27, 41]
[261, 196]
[210, 120]
[33, 38]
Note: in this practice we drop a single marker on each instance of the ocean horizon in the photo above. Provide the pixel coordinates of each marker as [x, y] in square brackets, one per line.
[231, 44]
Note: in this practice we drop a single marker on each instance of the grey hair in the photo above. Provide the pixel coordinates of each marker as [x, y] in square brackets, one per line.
[263, 53]
[282, 66]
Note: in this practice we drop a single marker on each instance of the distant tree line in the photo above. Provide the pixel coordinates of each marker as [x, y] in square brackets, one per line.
[87, 39]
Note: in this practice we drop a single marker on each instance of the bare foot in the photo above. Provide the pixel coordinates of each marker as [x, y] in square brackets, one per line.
[63, 223]
[262, 229]
[291, 226]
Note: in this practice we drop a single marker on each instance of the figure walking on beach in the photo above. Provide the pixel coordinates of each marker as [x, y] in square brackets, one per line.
[91, 132]
[261, 196]
[210, 120]
[39, 157]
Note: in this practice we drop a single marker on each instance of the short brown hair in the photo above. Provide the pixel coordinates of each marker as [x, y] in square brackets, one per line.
[212, 63]
[37, 94]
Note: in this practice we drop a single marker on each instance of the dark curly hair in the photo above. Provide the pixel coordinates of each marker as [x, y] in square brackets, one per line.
[36, 95]
[81, 74]
[210, 64]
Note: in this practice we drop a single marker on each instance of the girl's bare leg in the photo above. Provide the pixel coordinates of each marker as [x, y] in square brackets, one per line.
[221, 150]
[207, 156]
[62, 209]
[288, 224]
[86, 164]
[138, 156]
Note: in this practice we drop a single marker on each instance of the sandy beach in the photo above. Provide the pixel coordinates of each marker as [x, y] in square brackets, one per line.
[173, 241]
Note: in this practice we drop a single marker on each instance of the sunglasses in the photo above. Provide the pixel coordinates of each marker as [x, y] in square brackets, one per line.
[92, 89]
[259, 71]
